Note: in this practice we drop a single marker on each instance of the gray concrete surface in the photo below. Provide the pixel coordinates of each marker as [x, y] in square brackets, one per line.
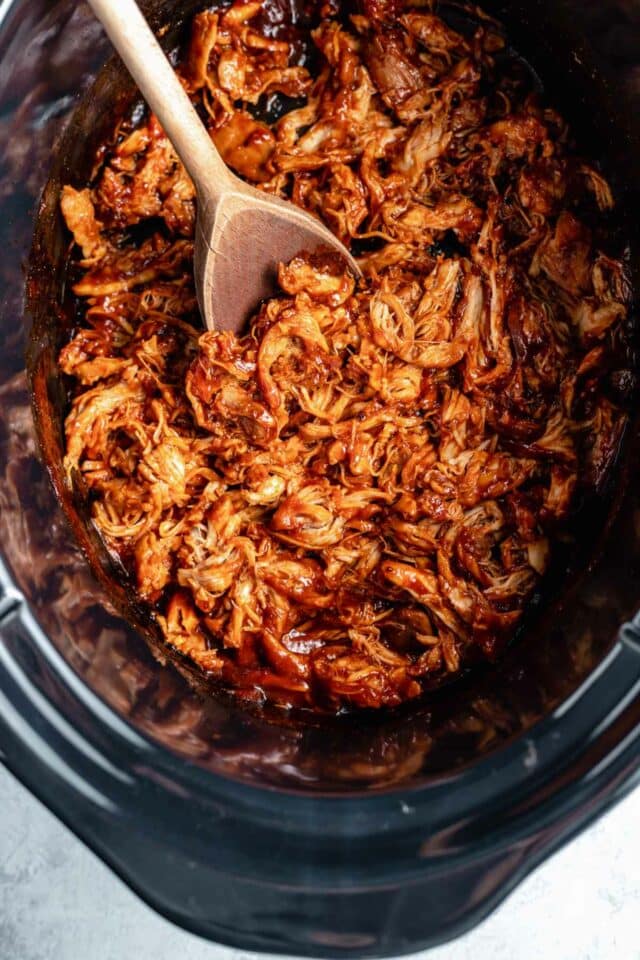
[59, 902]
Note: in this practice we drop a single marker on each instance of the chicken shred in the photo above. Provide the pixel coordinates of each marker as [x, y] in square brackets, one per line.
[356, 499]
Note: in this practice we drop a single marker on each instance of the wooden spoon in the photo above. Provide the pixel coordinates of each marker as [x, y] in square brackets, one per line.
[241, 233]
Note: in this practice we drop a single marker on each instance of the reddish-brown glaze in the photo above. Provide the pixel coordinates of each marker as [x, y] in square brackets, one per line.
[359, 496]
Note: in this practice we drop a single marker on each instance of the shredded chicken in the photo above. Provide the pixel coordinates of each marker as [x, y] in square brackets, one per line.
[355, 500]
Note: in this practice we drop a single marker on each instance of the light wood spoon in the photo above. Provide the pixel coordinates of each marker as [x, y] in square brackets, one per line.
[241, 233]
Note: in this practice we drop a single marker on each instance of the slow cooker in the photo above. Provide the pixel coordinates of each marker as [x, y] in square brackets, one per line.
[351, 837]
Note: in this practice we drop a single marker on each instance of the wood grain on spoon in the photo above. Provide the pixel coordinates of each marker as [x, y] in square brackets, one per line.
[242, 234]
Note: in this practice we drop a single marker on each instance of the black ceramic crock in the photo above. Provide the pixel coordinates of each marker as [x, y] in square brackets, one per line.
[368, 837]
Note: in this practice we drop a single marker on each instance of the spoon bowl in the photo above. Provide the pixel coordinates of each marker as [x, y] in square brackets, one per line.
[239, 244]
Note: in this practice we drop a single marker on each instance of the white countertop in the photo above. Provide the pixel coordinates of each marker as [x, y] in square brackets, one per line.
[59, 902]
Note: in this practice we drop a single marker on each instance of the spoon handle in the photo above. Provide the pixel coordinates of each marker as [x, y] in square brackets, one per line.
[144, 58]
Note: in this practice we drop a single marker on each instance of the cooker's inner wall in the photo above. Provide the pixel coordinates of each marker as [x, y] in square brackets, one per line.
[587, 55]
[479, 714]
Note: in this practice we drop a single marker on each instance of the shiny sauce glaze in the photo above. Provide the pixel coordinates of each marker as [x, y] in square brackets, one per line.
[357, 499]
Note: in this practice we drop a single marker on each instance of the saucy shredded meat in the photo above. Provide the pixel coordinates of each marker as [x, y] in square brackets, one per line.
[356, 499]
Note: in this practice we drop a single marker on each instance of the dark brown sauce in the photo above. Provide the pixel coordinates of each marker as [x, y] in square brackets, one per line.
[284, 25]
